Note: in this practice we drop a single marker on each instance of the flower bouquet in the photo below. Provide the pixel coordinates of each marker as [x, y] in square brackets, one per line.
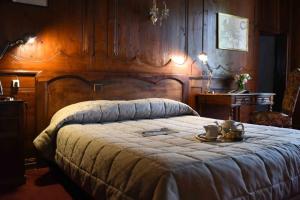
[241, 80]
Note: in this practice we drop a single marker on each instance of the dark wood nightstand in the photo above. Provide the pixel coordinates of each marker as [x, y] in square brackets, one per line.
[11, 143]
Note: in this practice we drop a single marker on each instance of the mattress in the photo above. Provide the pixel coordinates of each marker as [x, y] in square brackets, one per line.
[108, 156]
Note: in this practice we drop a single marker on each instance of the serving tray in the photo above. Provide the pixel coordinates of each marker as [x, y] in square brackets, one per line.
[202, 138]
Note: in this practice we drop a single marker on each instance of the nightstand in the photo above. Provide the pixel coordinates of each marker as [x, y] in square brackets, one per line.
[11, 143]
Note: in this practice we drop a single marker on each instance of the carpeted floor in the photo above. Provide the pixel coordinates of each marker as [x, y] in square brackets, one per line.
[44, 184]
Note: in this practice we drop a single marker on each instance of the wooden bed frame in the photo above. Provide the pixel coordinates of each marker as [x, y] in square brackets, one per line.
[56, 90]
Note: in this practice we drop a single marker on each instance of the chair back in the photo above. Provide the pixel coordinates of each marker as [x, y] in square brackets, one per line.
[291, 93]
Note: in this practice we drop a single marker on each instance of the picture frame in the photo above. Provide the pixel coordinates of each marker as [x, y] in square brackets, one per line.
[233, 32]
[33, 2]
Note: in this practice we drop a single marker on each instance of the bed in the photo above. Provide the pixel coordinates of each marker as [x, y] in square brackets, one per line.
[100, 146]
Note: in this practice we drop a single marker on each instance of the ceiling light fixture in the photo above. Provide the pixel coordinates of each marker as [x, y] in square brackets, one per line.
[156, 14]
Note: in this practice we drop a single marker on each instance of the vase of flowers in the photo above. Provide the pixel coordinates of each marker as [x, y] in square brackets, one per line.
[241, 80]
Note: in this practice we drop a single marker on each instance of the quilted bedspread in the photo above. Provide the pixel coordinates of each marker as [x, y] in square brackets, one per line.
[99, 145]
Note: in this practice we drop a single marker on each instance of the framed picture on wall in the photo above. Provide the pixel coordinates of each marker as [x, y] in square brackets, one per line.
[33, 2]
[232, 32]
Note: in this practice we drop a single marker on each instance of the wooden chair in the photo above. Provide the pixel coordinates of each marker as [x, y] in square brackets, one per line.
[284, 118]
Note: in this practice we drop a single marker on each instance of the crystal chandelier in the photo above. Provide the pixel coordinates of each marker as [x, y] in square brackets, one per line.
[157, 15]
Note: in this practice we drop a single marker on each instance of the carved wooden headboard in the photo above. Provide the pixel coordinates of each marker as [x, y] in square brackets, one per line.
[56, 90]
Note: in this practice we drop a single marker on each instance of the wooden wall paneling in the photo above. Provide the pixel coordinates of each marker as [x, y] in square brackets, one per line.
[285, 7]
[273, 16]
[268, 15]
[195, 36]
[295, 35]
[57, 93]
[143, 86]
[135, 89]
[78, 89]
[235, 61]
[98, 30]
[134, 44]
[62, 39]
[101, 18]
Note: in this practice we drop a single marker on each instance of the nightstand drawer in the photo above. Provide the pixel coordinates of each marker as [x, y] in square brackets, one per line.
[11, 143]
[12, 164]
[9, 110]
[9, 125]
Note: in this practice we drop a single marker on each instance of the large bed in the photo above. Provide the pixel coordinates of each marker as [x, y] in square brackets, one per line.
[100, 144]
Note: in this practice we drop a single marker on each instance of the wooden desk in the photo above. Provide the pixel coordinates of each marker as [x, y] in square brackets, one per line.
[234, 101]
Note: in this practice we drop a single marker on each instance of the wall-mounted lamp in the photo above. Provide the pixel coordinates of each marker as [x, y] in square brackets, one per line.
[156, 14]
[27, 39]
[179, 60]
[203, 57]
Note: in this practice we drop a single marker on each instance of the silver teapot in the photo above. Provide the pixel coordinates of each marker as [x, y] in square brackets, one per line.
[229, 126]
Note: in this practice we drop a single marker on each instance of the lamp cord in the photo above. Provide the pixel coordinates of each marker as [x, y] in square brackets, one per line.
[4, 50]
[10, 45]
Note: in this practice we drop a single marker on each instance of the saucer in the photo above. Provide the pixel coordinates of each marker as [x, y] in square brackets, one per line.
[222, 139]
[237, 135]
[202, 137]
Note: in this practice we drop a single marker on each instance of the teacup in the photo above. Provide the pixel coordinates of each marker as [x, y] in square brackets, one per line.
[212, 131]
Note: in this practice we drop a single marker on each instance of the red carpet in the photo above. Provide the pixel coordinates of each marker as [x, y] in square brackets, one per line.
[43, 184]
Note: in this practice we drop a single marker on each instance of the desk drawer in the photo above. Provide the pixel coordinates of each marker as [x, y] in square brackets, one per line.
[264, 100]
[243, 100]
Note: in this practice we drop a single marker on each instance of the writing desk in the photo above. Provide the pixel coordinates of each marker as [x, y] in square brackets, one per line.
[234, 101]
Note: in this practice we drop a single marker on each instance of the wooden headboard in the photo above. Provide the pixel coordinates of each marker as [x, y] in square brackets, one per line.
[56, 90]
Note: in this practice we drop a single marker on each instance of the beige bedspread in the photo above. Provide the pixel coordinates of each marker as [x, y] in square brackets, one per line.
[111, 159]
